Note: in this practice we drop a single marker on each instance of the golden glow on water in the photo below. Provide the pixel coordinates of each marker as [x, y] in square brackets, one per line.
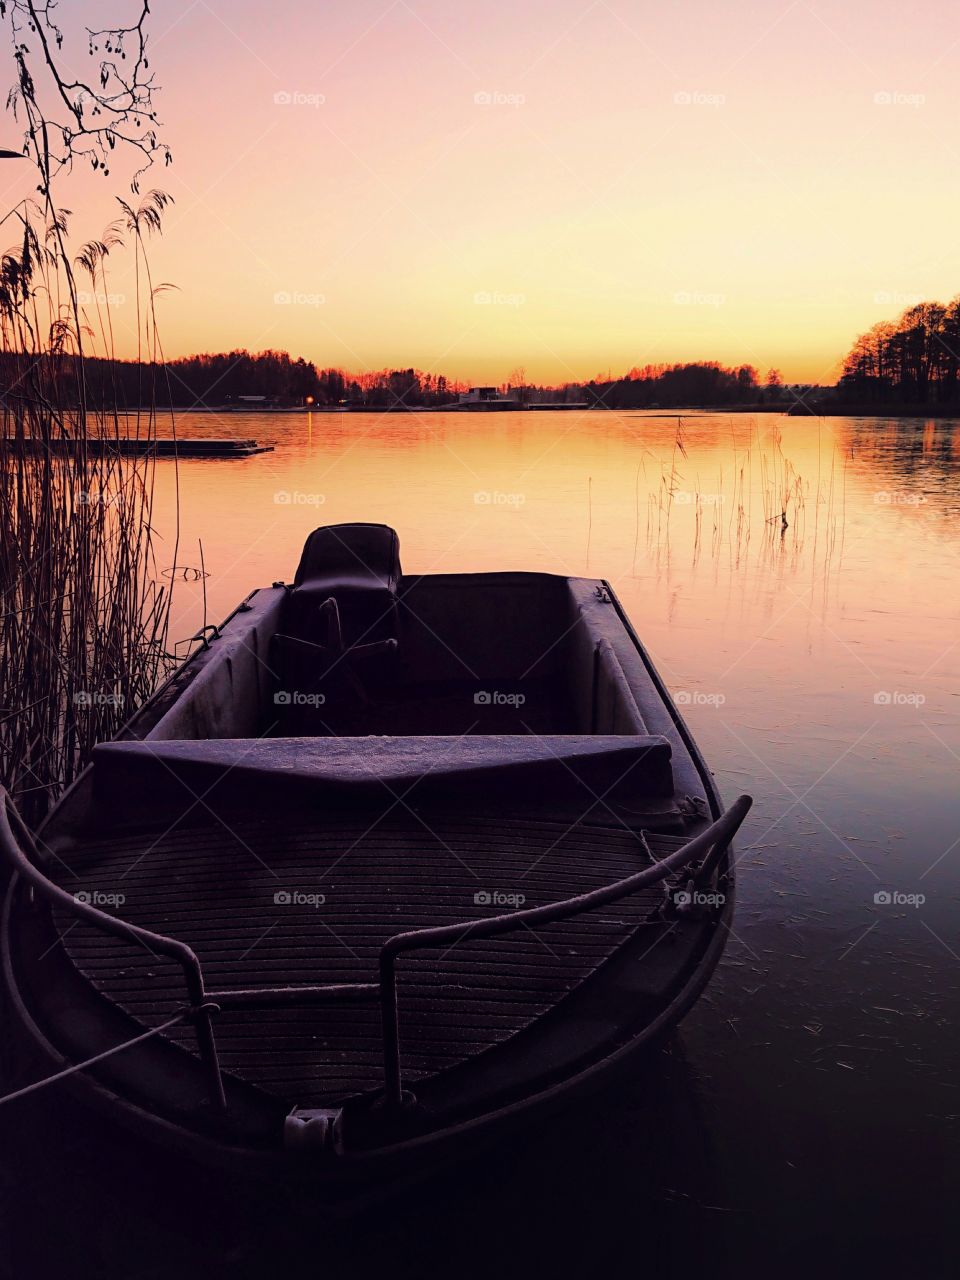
[780, 640]
[817, 665]
[856, 596]
[611, 495]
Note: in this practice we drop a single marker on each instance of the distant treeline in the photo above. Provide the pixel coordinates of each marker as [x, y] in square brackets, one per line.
[912, 361]
[683, 385]
[223, 379]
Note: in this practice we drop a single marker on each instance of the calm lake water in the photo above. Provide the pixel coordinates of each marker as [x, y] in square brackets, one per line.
[806, 1114]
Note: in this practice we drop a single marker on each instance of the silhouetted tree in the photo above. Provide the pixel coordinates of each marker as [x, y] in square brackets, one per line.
[915, 360]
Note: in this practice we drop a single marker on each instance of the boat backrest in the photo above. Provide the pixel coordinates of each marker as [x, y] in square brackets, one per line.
[350, 555]
[358, 566]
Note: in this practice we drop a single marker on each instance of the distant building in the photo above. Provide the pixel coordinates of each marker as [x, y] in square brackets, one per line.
[485, 398]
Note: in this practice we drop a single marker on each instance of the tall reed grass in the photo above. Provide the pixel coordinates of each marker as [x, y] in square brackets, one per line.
[722, 513]
[84, 610]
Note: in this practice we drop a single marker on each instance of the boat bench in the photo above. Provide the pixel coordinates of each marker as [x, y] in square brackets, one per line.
[613, 778]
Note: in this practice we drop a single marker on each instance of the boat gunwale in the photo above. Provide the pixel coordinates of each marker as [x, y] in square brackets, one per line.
[544, 1100]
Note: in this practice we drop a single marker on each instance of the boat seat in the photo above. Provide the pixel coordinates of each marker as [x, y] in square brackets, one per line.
[343, 606]
[358, 565]
[349, 557]
[565, 775]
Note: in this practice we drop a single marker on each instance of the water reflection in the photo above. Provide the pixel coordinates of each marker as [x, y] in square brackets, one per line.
[814, 1107]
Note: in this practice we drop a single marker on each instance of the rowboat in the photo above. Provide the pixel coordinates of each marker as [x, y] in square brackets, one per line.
[392, 864]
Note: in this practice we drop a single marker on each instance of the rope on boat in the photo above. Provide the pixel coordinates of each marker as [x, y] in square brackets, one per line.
[90, 1062]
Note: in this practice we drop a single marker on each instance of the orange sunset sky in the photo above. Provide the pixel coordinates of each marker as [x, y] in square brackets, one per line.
[564, 186]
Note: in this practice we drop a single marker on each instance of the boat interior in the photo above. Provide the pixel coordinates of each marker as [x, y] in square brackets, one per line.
[357, 676]
[355, 648]
[356, 755]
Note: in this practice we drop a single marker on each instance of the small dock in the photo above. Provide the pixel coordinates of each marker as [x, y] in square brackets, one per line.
[567, 406]
[144, 447]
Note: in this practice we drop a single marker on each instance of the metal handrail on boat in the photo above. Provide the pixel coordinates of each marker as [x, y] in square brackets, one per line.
[715, 839]
[12, 848]
[203, 1003]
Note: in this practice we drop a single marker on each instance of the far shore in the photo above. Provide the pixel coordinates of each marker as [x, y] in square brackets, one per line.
[798, 408]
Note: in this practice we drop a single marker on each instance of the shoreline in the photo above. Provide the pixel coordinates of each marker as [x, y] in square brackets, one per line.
[826, 409]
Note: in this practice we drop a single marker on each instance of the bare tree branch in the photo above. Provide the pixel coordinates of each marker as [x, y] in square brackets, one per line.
[67, 117]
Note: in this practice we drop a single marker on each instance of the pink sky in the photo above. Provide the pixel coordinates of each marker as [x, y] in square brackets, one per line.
[745, 181]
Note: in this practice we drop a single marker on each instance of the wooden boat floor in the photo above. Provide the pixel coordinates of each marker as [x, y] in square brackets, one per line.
[268, 904]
